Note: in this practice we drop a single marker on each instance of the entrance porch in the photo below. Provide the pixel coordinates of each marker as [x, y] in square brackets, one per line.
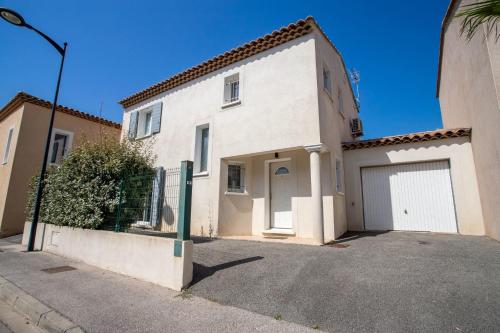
[287, 194]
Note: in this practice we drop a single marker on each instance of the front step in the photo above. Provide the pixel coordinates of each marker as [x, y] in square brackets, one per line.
[278, 233]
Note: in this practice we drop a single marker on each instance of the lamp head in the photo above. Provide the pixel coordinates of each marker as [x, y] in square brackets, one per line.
[12, 17]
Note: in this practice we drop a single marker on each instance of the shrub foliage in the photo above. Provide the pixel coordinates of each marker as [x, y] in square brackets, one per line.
[84, 190]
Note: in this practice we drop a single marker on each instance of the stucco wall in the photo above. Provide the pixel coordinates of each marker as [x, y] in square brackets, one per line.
[147, 258]
[246, 214]
[13, 120]
[278, 111]
[29, 148]
[334, 125]
[469, 97]
[457, 150]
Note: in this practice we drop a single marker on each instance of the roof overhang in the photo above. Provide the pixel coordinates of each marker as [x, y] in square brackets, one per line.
[408, 138]
[22, 97]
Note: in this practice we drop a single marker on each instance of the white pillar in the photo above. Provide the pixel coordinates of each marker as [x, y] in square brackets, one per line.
[316, 196]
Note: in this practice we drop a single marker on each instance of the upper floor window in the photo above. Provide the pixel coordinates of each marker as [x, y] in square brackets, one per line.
[201, 158]
[60, 145]
[8, 143]
[145, 122]
[327, 80]
[341, 101]
[338, 174]
[232, 88]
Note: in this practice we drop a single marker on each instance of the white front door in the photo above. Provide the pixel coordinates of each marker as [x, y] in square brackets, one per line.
[282, 189]
[413, 197]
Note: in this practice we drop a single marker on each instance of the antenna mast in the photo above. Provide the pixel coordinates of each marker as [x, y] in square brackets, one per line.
[355, 77]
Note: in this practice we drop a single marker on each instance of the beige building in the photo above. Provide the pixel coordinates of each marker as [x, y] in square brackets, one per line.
[468, 89]
[23, 129]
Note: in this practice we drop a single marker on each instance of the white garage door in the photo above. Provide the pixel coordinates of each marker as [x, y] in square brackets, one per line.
[414, 197]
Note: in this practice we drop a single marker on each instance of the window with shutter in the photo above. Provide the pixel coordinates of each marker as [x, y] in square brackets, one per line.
[145, 122]
[232, 89]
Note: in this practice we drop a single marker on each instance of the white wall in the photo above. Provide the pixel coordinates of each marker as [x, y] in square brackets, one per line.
[147, 258]
[335, 129]
[463, 177]
[278, 111]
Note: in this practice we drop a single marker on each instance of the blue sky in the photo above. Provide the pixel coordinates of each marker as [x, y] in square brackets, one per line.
[117, 48]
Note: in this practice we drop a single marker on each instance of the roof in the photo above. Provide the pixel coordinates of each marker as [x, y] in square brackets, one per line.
[23, 97]
[277, 37]
[447, 17]
[408, 138]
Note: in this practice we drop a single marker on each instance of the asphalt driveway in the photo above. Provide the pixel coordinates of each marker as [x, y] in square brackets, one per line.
[389, 282]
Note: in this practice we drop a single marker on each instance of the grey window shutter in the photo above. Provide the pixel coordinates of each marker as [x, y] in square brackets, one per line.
[157, 196]
[156, 118]
[132, 128]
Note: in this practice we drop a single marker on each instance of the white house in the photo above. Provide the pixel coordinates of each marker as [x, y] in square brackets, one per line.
[272, 125]
[264, 124]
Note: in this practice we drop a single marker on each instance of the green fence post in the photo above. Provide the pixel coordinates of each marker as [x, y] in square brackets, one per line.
[118, 213]
[184, 218]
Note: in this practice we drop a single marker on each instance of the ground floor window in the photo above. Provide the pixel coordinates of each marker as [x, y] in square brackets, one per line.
[236, 178]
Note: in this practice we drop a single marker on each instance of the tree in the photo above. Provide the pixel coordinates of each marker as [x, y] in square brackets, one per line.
[474, 15]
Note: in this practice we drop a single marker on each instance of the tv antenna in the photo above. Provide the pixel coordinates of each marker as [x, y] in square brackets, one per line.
[355, 78]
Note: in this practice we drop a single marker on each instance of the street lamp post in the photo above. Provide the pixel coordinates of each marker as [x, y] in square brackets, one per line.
[16, 19]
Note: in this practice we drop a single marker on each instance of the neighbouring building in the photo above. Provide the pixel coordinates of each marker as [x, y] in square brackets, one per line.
[272, 127]
[468, 88]
[23, 130]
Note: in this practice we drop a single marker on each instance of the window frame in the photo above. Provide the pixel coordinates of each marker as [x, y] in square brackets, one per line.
[328, 90]
[68, 148]
[227, 85]
[339, 178]
[340, 98]
[8, 144]
[243, 178]
[197, 172]
[142, 115]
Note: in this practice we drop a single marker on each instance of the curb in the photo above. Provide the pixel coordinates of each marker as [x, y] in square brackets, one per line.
[42, 316]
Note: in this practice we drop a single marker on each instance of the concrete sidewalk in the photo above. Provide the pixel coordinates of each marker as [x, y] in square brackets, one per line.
[101, 301]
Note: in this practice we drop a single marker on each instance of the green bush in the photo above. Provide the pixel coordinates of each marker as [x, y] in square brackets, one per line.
[84, 190]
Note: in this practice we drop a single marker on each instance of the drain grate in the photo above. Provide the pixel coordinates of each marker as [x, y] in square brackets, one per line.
[59, 269]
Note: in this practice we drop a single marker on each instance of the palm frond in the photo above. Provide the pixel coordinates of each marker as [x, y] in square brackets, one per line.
[474, 15]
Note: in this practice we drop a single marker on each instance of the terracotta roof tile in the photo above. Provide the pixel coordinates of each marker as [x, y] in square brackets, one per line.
[23, 97]
[407, 138]
[278, 37]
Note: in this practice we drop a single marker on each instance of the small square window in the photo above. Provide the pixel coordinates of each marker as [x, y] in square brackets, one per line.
[327, 80]
[236, 178]
[232, 88]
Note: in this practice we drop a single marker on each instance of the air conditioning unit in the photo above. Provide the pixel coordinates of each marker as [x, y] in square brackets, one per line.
[356, 127]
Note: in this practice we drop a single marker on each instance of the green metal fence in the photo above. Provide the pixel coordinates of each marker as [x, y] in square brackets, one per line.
[157, 202]
[135, 202]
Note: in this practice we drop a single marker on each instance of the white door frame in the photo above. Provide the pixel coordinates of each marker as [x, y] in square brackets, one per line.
[267, 191]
